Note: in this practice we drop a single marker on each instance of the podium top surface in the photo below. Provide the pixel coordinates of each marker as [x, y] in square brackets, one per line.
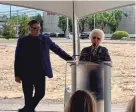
[76, 62]
[80, 62]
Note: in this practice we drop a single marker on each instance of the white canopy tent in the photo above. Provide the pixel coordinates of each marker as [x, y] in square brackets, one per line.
[75, 9]
[82, 8]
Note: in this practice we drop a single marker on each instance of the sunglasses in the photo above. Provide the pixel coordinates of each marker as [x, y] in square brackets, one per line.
[35, 28]
[97, 38]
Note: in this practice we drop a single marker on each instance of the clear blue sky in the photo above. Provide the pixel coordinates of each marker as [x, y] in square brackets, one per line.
[5, 9]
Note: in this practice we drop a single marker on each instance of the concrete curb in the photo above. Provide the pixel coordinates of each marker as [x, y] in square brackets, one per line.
[12, 105]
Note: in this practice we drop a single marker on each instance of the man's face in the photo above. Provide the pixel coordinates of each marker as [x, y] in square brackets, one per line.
[96, 39]
[35, 30]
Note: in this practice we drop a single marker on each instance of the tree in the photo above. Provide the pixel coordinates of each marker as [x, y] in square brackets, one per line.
[90, 22]
[102, 19]
[114, 19]
[62, 23]
[3, 19]
[9, 31]
[82, 23]
[20, 22]
[38, 17]
[110, 19]
[23, 28]
[70, 25]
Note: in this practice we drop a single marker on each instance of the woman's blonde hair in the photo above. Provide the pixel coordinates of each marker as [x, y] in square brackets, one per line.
[131, 106]
[81, 101]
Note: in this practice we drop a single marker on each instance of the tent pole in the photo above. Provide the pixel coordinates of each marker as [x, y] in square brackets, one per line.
[107, 87]
[73, 19]
[76, 48]
[73, 73]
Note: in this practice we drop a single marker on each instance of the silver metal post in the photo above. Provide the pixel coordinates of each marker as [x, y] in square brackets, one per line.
[17, 26]
[67, 30]
[107, 87]
[94, 21]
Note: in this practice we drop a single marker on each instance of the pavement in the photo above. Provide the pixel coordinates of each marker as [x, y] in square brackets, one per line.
[12, 105]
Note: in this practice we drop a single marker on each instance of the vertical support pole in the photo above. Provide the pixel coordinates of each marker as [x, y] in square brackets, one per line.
[107, 87]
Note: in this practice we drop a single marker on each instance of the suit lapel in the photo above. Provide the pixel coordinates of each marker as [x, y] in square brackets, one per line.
[42, 42]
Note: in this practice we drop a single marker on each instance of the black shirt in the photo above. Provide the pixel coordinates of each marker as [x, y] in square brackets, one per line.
[100, 55]
[33, 63]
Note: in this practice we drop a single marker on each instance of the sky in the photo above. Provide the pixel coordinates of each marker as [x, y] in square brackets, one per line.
[5, 10]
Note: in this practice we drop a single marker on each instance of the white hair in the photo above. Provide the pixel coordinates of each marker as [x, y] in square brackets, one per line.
[97, 31]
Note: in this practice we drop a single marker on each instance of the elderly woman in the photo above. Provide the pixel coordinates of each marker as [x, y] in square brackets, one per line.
[95, 53]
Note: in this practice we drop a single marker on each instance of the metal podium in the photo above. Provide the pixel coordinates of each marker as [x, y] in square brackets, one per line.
[80, 73]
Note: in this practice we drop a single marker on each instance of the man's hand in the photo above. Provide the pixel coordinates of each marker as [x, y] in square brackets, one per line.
[17, 79]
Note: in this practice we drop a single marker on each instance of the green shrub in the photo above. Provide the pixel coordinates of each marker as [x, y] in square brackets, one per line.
[9, 31]
[1, 36]
[120, 35]
[53, 35]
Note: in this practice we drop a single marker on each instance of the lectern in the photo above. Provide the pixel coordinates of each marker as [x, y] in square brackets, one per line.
[82, 74]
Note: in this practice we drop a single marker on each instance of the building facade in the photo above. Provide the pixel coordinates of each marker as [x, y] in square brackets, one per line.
[128, 23]
[50, 22]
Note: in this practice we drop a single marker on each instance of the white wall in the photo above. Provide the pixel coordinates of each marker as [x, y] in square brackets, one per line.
[128, 24]
[50, 23]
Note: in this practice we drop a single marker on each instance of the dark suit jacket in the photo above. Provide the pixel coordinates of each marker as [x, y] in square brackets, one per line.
[46, 44]
[95, 82]
[101, 55]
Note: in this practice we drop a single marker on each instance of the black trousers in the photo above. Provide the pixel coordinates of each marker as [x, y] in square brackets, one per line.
[29, 84]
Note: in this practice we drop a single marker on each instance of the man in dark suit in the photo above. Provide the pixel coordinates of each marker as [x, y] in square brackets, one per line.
[32, 64]
[96, 54]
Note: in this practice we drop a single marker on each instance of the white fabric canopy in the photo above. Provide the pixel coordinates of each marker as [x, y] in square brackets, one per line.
[82, 8]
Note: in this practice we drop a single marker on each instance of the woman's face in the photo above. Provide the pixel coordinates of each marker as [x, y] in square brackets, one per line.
[96, 39]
